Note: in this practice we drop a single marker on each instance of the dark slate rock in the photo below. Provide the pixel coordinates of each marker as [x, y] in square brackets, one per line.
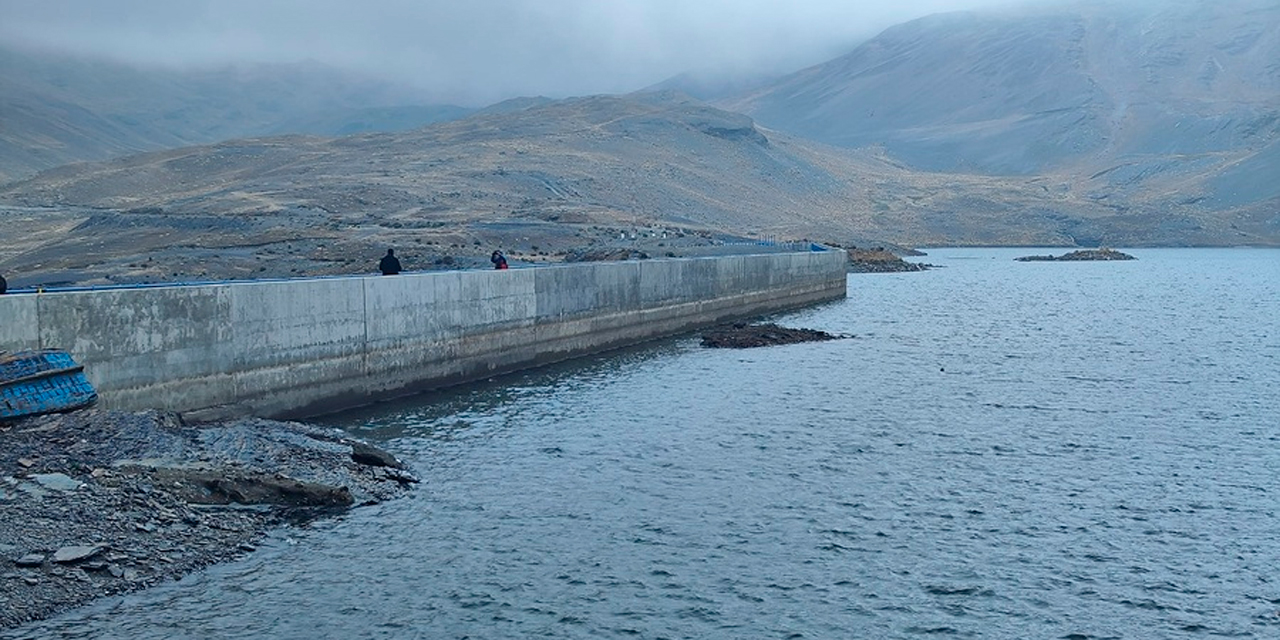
[371, 456]
[30, 560]
[76, 553]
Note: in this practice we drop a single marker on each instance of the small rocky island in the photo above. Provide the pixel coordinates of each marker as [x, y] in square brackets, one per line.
[100, 502]
[741, 336]
[880, 260]
[1081, 255]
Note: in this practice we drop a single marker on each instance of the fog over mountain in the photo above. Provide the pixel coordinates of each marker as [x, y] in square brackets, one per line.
[1131, 99]
[86, 80]
[1020, 92]
[58, 108]
[469, 53]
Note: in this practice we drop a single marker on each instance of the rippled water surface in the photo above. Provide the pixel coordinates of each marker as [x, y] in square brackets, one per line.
[1004, 450]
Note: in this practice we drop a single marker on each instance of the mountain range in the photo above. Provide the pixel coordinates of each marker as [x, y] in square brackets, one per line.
[1131, 99]
[1113, 123]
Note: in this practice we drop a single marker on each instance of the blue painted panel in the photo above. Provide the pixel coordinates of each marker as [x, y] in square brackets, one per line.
[36, 382]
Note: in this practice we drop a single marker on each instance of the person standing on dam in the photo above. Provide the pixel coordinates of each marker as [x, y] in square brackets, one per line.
[4, 285]
[499, 261]
[390, 264]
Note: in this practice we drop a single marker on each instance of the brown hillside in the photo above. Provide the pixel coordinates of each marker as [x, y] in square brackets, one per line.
[537, 182]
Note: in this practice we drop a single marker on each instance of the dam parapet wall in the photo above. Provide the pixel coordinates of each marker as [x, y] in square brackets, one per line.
[293, 348]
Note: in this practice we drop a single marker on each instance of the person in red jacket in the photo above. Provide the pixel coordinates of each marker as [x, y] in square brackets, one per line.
[499, 261]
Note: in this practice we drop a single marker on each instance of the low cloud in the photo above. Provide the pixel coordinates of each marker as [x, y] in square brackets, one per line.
[471, 52]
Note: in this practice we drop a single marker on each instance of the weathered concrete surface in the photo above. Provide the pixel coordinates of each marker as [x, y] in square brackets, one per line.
[19, 322]
[299, 347]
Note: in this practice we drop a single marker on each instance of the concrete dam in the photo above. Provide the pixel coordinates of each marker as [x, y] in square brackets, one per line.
[294, 348]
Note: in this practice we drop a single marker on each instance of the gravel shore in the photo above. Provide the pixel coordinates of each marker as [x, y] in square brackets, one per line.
[99, 502]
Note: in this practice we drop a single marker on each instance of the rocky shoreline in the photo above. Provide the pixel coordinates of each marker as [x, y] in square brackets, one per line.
[99, 502]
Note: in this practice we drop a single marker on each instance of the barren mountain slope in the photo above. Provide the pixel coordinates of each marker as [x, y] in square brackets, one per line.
[1136, 100]
[538, 182]
[1022, 91]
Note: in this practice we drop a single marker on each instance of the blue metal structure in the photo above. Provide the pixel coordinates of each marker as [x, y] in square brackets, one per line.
[46, 381]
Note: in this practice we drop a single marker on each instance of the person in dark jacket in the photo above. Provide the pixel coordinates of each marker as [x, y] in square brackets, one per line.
[390, 264]
[4, 285]
[499, 261]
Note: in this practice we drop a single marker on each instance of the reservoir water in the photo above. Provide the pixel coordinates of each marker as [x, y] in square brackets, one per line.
[1002, 450]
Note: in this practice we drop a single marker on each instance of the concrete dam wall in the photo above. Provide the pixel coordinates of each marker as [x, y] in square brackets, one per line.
[301, 347]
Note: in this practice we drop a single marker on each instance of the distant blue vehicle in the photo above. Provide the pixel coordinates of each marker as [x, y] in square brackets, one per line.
[37, 382]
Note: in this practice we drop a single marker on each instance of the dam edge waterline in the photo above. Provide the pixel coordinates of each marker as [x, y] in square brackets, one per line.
[296, 348]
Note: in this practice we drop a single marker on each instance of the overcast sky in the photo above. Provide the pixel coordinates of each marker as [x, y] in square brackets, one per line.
[474, 51]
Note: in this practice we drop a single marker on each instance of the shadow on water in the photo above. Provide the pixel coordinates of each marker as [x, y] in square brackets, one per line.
[421, 414]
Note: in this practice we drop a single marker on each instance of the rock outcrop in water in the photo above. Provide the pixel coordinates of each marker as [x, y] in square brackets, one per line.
[101, 502]
[742, 336]
[880, 260]
[1079, 256]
